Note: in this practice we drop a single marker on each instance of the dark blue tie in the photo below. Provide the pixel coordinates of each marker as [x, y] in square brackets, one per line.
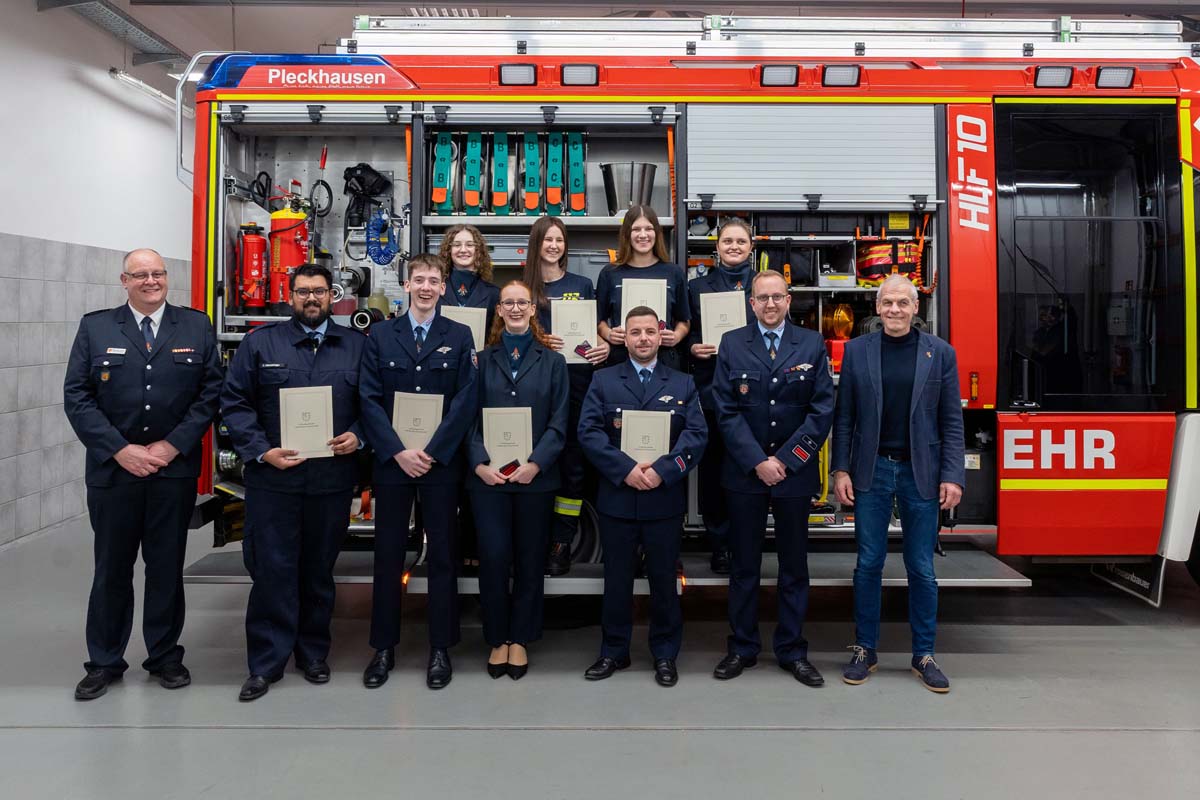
[644, 374]
[148, 333]
[771, 337]
[420, 334]
[315, 339]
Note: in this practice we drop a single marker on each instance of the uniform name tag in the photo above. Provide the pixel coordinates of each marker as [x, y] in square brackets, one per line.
[115, 351]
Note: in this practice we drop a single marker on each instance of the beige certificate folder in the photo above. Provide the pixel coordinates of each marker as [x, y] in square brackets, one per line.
[306, 420]
[473, 318]
[645, 435]
[415, 418]
[650, 292]
[575, 322]
[508, 435]
[721, 312]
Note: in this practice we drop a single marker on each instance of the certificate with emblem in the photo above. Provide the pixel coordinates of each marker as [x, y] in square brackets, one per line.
[415, 418]
[473, 318]
[574, 321]
[721, 312]
[306, 420]
[650, 292]
[508, 435]
[645, 435]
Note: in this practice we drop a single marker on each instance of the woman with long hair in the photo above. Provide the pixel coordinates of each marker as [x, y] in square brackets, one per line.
[547, 277]
[732, 273]
[642, 253]
[469, 270]
[514, 504]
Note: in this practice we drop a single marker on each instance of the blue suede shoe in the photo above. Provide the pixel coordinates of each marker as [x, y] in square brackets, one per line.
[861, 665]
[931, 675]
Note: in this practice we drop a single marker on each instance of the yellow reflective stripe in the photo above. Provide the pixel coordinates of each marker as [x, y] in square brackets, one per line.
[1101, 101]
[591, 98]
[1187, 195]
[1083, 484]
[567, 506]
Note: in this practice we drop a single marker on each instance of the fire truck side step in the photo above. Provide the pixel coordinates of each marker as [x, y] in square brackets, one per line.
[355, 567]
[961, 568]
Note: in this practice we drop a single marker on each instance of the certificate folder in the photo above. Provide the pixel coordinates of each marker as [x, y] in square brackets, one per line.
[645, 435]
[574, 321]
[650, 292]
[415, 418]
[508, 435]
[721, 312]
[473, 318]
[306, 420]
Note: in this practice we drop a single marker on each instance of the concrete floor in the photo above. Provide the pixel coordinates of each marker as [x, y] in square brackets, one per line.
[1068, 689]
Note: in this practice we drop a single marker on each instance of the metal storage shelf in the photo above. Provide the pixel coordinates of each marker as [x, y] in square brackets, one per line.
[523, 221]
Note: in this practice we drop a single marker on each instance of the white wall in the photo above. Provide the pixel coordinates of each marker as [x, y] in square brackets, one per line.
[83, 158]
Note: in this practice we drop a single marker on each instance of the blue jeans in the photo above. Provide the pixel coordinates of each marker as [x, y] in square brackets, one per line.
[919, 520]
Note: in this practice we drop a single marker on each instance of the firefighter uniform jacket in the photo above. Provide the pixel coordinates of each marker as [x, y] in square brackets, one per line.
[117, 393]
[281, 356]
[781, 407]
[446, 365]
[478, 294]
[617, 389]
[702, 368]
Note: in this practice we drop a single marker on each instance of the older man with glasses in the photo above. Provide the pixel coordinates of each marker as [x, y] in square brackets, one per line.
[774, 398]
[140, 391]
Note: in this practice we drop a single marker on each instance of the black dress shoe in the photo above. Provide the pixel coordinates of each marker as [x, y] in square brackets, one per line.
[316, 671]
[732, 665]
[255, 687]
[803, 671]
[665, 673]
[559, 560]
[172, 676]
[498, 670]
[719, 561]
[604, 668]
[438, 675]
[95, 684]
[376, 673]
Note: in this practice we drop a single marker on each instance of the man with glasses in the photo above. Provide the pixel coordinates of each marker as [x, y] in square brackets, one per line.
[774, 398]
[297, 509]
[140, 391]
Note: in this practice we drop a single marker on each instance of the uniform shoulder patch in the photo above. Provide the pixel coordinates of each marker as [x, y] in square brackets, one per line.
[474, 358]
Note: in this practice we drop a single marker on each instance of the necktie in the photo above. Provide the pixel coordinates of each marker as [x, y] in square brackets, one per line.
[771, 337]
[314, 339]
[420, 334]
[645, 376]
[148, 332]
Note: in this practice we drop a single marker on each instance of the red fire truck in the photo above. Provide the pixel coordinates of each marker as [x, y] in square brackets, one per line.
[1035, 178]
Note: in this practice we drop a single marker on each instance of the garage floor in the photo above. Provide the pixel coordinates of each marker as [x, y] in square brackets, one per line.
[1068, 689]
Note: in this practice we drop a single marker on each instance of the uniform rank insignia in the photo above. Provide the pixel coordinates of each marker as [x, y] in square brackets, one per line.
[800, 453]
[104, 375]
[515, 355]
[115, 351]
[183, 349]
[738, 286]
[617, 423]
[928, 354]
[474, 358]
[462, 290]
[804, 367]
[444, 349]
[679, 462]
[666, 398]
[744, 388]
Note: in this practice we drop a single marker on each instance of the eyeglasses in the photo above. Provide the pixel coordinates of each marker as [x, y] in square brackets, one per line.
[462, 245]
[767, 299]
[142, 277]
[304, 294]
[509, 305]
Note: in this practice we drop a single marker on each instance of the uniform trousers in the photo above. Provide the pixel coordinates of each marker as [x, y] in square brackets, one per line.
[659, 539]
[513, 530]
[713, 505]
[153, 514]
[291, 544]
[393, 510]
[747, 529]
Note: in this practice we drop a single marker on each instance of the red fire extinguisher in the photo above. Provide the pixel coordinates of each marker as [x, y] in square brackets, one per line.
[289, 249]
[251, 268]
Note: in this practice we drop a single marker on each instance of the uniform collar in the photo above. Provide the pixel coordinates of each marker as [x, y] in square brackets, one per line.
[763, 329]
[155, 317]
[637, 368]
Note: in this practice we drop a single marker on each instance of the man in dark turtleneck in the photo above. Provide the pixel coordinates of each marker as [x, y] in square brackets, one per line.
[897, 438]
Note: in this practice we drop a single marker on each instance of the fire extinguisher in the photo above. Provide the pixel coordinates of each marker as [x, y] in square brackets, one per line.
[289, 249]
[251, 261]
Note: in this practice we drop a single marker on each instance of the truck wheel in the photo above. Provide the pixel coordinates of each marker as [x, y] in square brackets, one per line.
[586, 549]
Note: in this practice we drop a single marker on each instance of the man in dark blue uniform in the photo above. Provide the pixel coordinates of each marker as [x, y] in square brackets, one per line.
[140, 391]
[420, 353]
[297, 509]
[641, 503]
[774, 398]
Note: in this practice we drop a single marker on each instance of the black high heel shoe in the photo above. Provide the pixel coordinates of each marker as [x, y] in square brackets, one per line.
[498, 670]
[516, 672]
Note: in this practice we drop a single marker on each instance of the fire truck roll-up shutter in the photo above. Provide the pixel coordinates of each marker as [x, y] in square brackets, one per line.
[549, 112]
[772, 155]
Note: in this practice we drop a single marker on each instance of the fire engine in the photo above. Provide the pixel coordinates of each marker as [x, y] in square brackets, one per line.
[1034, 178]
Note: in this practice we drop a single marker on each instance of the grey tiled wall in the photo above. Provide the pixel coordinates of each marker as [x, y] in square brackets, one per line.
[45, 287]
